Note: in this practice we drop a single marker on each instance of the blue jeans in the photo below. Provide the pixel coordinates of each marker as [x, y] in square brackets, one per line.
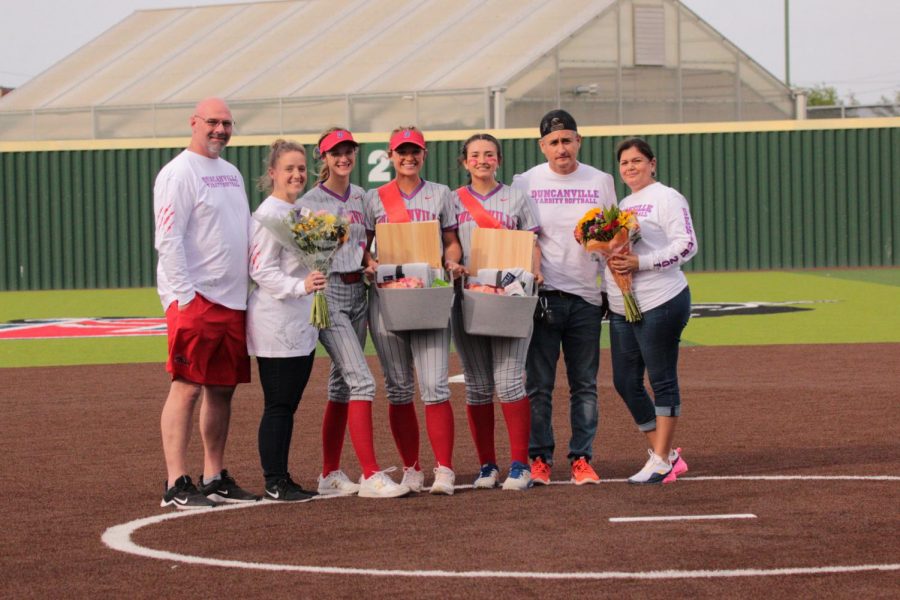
[650, 345]
[576, 329]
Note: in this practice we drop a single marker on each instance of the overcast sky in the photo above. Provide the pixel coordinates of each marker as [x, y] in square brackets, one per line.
[853, 45]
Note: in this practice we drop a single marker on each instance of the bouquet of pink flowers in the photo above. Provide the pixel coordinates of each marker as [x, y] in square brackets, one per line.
[314, 237]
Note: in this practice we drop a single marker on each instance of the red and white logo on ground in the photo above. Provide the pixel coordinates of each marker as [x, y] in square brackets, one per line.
[37, 329]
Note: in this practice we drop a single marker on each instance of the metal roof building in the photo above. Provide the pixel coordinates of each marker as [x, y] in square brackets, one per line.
[299, 66]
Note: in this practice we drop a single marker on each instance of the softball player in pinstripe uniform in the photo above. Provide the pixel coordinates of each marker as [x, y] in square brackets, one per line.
[426, 350]
[351, 387]
[493, 363]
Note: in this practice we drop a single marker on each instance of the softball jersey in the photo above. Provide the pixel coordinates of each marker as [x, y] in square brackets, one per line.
[279, 307]
[348, 258]
[202, 229]
[428, 202]
[509, 206]
[427, 350]
[492, 364]
[561, 201]
[667, 241]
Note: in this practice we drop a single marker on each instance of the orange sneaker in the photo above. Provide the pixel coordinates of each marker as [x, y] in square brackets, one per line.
[540, 472]
[582, 472]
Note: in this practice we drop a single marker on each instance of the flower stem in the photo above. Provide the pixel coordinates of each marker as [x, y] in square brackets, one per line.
[319, 316]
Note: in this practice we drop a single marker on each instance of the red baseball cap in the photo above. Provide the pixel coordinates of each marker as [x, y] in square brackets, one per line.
[407, 136]
[334, 138]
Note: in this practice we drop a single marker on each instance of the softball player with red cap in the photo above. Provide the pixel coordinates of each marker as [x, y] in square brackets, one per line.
[351, 387]
[410, 198]
[492, 363]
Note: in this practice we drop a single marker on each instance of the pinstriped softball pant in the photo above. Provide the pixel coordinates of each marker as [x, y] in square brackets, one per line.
[490, 363]
[426, 350]
[350, 377]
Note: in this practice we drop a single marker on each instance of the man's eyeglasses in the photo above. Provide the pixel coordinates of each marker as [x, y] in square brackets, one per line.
[213, 123]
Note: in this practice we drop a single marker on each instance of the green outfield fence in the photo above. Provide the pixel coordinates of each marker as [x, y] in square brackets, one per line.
[779, 195]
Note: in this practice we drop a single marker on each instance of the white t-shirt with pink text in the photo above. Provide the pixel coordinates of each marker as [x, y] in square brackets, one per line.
[561, 201]
[202, 231]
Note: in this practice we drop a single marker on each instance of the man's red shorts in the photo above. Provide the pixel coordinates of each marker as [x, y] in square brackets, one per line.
[207, 343]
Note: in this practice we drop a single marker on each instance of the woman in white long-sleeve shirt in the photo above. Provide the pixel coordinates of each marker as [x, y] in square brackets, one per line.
[661, 290]
[279, 333]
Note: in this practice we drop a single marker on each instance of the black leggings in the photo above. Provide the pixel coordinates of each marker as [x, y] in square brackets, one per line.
[283, 381]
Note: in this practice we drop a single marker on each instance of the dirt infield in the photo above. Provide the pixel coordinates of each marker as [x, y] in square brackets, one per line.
[82, 453]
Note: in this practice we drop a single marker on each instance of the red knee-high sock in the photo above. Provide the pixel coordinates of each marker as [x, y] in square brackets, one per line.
[360, 424]
[481, 424]
[333, 426]
[439, 423]
[518, 424]
[405, 428]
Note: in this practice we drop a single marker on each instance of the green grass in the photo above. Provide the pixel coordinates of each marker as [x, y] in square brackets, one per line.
[133, 302]
[846, 310]
[882, 276]
[849, 306]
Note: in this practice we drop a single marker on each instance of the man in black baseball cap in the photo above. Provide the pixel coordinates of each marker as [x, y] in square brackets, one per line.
[562, 190]
[557, 120]
[560, 141]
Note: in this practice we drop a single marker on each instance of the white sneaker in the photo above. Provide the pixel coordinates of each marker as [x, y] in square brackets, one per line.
[337, 483]
[519, 477]
[380, 485]
[655, 470]
[413, 478]
[444, 478]
[487, 477]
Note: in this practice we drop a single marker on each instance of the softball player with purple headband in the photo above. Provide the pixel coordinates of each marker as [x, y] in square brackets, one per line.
[410, 198]
[351, 387]
[492, 363]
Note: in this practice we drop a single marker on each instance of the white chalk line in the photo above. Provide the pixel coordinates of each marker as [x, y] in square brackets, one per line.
[748, 478]
[118, 538]
[790, 478]
[681, 518]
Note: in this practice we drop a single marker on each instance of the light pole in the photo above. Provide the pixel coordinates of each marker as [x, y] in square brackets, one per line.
[787, 43]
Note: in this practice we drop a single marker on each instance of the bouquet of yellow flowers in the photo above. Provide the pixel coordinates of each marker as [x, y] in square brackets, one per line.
[314, 237]
[608, 232]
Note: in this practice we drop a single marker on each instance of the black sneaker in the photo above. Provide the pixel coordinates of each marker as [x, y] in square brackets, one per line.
[184, 494]
[286, 490]
[226, 490]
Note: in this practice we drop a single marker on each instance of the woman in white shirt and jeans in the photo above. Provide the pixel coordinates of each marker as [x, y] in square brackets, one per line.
[650, 345]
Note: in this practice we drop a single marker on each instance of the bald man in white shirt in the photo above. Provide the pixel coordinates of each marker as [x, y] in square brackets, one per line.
[202, 228]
